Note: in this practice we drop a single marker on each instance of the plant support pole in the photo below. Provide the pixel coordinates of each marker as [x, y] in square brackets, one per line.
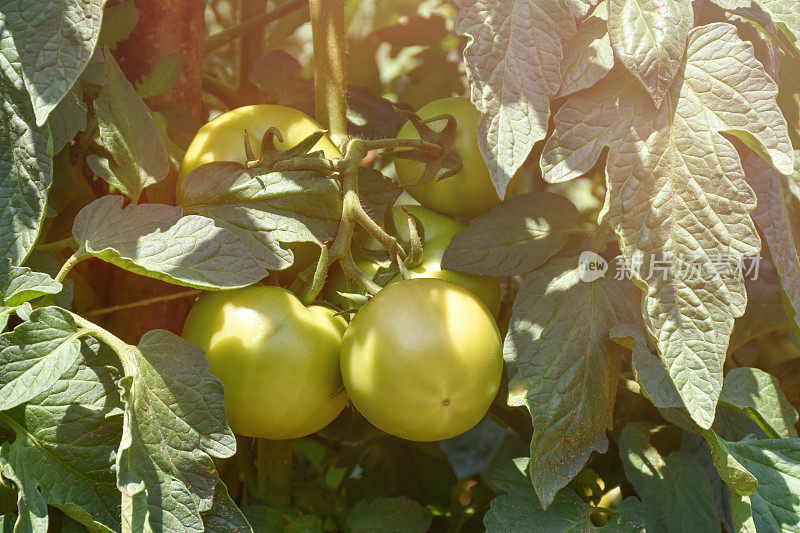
[330, 79]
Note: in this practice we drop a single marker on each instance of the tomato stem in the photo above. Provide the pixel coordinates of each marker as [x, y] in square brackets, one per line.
[143, 303]
[54, 246]
[330, 78]
[73, 260]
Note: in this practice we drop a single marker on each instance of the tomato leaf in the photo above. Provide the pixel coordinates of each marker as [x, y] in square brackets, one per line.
[661, 482]
[265, 208]
[775, 463]
[21, 284]
[162, 78]
[35, 355]
[784, 14]
[677, 192]
[128, 133]
[156, 241]
[778, 225]
[588, 56]
[515, 237]
[649, 37]
[67, 118]
[388, 514]
[118, 23]
[174, 423]
[513, 62]
[758, 395]
[647, 367]
[63, 454]
[376, 192]
[224, 516]
[765, 313]
[25, 157]
[563, 367]
[54, 42]
[518, 509]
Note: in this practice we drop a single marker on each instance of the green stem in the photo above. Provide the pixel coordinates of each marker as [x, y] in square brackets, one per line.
[123, 349]
[253, 24]
[274, 466]
[330, 79]
[143, 303]
[387, 144]
[54, 246]
[73, 260]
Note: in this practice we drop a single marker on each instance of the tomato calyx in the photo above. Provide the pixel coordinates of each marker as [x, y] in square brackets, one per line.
[441, 165]
[271, 155]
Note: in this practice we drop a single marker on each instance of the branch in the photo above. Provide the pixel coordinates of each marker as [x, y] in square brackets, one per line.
[234, 32]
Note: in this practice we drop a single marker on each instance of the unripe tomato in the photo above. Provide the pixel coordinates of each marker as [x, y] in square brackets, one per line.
[468, 193]
[438, 231]
[277, 359]
[222, 139]
[422, 360]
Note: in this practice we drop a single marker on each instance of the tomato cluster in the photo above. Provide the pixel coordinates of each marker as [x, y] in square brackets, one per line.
[422, 360]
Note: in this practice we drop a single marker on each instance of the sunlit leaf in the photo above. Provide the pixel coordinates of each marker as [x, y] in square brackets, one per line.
[677, 193]
[563, 366]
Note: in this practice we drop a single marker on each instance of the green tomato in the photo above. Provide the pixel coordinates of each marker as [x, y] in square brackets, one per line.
[222, 139]
[468, 193]
[422, 360]
[277, 359]
[438, 230]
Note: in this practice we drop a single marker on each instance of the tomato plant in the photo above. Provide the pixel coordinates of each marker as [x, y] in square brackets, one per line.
[278, 360]
[220, 312]
[438, 230]
[422, 360]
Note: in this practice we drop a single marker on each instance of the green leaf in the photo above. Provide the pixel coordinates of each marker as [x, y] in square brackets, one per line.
[662, 482]
[677, 192]
[778, 225]
[397, 515]
[785, 14]
[739, 480]
[376, 192]
[63, 454]
[513, 62]
[162, 78]
[265, 208]
[21, 284]
[127, 131]
[519, 510]
[759, 396]
[156, 241]
[55, 41]
[563, 367]
[25, 156]
[649, 38]
[648, 368]
[224, 516]
[68, 118]
[118, 23]
[764, 312]
[588, 56]
[775, 463]
[36, 354]
[174, 423]
[515, 237]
